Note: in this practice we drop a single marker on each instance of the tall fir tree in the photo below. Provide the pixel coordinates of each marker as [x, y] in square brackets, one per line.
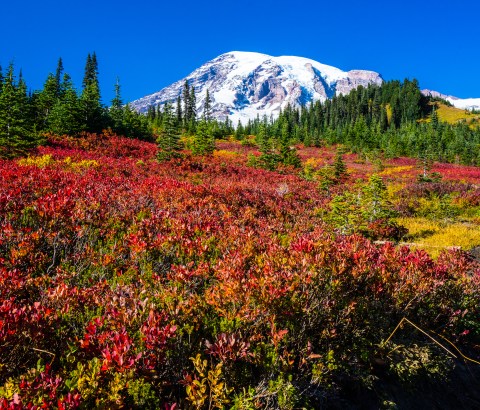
[339, 167]
[262, 140]
[116, 111]
[134, 124]
[434, 117]
[66, 115]
[203, 141]
[59, 77]
[179, 113]
[207, 108]
[239, 131]
[288, 153]
[15, 136]
[87, 75]
[169, 140]
[90, 101]
[186, 104]
[45, 101]
[192, 114]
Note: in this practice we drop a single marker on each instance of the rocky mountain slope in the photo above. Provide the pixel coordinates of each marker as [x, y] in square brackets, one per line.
[243, 85]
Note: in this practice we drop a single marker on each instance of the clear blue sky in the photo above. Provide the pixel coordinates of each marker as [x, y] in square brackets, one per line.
[150, 44]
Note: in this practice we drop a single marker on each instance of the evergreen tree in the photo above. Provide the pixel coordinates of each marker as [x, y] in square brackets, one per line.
[169, 140]
[434, 117]
[66, 116]
[186, 104]
[15, 137]
[116, 111]
[239, 131]
[24, 101]
[58, 78]
[262, 140]
[396, 116]
[95, 66]
[88, 72]
[152, 113]
[208, 107]
[192, 115]
[288, 153]
[204, 142]
[339, 167]
[92, 110]
[374, 200]
[134, 124]
[45, 101]
[179, 113]
[307, 138]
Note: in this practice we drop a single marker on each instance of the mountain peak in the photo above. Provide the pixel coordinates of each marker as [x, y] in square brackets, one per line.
[245, 84]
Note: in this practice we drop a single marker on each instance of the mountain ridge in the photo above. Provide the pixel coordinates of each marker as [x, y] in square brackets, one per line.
[243, 84]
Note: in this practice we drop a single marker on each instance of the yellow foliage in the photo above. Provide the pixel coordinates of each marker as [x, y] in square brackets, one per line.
[231, 138]
[388, 108]
[39, 162]
[9, 389]
[314, 162]
[85, 163]
[46, 160]
[392, 189]
[85, 378]
[222, 153]
[115, 386]
[434, 237]
[396, 170]
[207, 385]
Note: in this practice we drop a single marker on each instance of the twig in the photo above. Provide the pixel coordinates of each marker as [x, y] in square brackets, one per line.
[43, 351]
[430, 337]
[404, 319]
[459, 352]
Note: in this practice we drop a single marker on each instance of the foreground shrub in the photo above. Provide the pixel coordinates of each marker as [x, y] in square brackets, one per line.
[138, 284]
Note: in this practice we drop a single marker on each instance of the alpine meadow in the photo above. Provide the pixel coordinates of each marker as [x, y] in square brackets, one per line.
[264, 233]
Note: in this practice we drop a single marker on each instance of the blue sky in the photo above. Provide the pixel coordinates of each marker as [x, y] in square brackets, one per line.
[150, 44]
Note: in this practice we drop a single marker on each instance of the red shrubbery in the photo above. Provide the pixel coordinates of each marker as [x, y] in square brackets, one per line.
[113, 276]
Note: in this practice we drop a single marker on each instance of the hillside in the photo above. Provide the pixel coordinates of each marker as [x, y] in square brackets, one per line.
[453, 115]
[206, 282]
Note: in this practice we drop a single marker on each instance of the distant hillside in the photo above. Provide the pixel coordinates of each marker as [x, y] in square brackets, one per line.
[454, 115]
[462, 103]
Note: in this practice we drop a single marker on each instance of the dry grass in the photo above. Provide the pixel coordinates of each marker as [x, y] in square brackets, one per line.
[453, 115]
[434, 237]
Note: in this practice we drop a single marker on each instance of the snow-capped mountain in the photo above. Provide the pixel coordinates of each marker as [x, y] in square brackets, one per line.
[243, 85]
[462, 103]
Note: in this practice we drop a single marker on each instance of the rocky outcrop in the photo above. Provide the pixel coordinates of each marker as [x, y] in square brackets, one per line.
[356, 78]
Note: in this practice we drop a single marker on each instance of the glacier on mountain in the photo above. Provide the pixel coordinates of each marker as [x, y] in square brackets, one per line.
[243, 85]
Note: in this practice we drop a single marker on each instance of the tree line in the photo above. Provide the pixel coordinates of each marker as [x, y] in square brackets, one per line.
[387, 118]
[170, 122]
[391, 118]
[60, 108]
